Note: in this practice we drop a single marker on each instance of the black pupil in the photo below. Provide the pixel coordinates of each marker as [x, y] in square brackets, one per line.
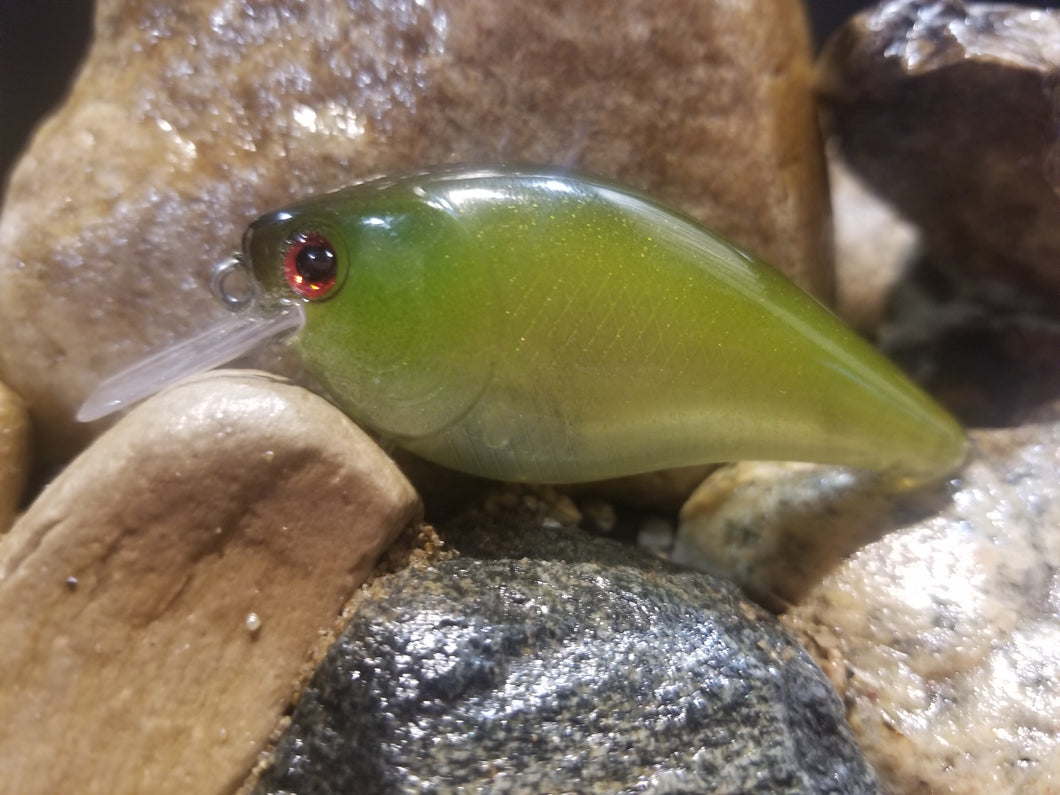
[315, 262]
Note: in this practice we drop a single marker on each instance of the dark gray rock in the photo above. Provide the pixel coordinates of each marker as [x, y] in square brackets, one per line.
[545, 660]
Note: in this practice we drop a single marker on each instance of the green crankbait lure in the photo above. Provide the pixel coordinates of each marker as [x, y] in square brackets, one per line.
[529, 325]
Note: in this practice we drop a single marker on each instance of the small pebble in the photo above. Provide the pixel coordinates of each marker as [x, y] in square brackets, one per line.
[600, 514]
[656, 534]
[564, 511]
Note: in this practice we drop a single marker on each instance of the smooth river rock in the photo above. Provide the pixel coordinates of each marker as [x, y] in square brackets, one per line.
[949, 111]
[544, 660]
[942, 633]
[183, 127]
[162, 599]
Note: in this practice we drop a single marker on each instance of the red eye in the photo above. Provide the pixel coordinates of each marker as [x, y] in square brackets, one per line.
[310, 265]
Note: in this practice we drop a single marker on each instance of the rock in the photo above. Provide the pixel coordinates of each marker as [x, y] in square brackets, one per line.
[656, 535]
[777, 528]
[992, 367]
[160, 599]
[14, 454]
[942, 636]
[543, 660]
[949, 112]
[181, 128]
[874, 249]
[664, 491]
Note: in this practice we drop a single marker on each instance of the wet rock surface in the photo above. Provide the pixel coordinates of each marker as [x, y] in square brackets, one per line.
[160, 599]
[543, 660]
[943, 637]
[942, 632]
[949, 111]
[183, 127]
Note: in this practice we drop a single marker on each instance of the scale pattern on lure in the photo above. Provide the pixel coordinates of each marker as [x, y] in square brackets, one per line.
[530, 325]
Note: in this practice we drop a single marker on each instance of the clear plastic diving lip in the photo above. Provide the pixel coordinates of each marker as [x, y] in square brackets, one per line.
[250, 326]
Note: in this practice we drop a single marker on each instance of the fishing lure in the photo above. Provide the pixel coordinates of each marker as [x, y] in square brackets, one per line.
[529, 325]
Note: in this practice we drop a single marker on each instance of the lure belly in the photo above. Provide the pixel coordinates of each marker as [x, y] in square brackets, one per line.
[535, 326]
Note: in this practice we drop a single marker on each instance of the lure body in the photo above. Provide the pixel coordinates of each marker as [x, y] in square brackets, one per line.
[534, 326]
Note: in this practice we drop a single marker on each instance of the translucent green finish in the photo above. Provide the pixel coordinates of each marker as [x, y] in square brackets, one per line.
[533, 326]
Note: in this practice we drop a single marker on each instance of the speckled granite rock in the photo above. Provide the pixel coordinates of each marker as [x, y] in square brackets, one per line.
[14, 454]
[160, 599]
[949, 110]
[777, 528]
[543, 660]
[182, 127]
[943, 636]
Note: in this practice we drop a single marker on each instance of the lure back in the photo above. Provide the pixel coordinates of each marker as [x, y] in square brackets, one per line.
[534, 326]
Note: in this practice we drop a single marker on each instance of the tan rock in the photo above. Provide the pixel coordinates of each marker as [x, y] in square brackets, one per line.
[949, 111]
[942, 636]
[160, 599]
[14, 454]
[874, 248]
[181, 128]
[777, 528]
